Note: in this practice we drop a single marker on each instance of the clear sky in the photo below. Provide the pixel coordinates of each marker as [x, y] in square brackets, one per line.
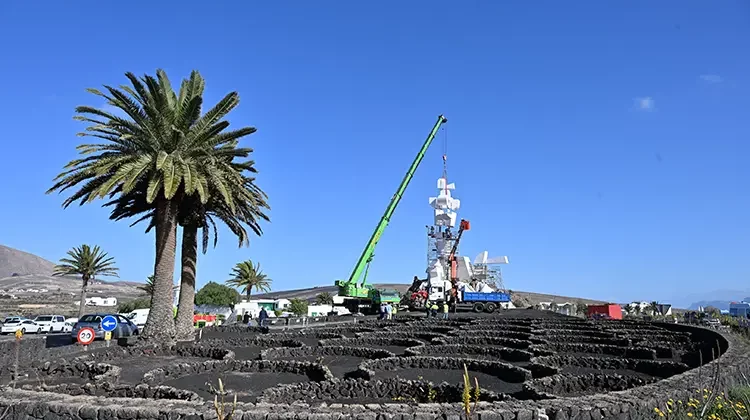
[601, 145]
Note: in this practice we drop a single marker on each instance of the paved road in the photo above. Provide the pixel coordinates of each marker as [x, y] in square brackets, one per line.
[53, 339]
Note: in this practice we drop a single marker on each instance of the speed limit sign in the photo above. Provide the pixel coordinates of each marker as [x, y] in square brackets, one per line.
[86, 336]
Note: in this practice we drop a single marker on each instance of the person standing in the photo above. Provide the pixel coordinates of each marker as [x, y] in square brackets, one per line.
[445, 310]
[434, 309]
[262, 317]
[246, 318]
[388, 311]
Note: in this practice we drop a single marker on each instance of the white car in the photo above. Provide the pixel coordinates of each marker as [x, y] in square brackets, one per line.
[50, 323]
[68, 327]
[25, 326]
[13, 320]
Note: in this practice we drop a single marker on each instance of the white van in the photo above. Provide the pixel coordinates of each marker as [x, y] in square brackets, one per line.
[50, 323]
[139, 317]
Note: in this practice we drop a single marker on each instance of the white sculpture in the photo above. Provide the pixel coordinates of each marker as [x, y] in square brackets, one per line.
[445, 206]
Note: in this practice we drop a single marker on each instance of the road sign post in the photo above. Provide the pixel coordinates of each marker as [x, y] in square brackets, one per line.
[109, 323]
[86, 336]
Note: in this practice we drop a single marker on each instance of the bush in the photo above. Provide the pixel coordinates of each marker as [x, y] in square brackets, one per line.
[216, 294]
[131, 305]
[709, 406]
[298, 307]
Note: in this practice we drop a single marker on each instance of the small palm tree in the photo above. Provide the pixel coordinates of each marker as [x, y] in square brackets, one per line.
[88, 263]
[324, 298]
[629, 309]
[581, 308]
[148, 288]
[654, 308]
[247, 277]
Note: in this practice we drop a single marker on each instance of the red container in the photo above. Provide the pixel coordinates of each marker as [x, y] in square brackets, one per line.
[611, 310]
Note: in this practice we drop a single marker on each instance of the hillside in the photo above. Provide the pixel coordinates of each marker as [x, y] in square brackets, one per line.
[16, 262]
[528, 298]
[27, 286]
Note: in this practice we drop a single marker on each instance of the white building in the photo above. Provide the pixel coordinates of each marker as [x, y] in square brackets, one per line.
[564, 308]
[281, 304]
[99, 301]
[644, 308]
[318, 310]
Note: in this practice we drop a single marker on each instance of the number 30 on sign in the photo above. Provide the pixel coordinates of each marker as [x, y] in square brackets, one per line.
[86, 336]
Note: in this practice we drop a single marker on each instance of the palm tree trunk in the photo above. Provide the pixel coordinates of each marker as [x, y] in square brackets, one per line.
[186, 304]
[160, 323]
[82, 306]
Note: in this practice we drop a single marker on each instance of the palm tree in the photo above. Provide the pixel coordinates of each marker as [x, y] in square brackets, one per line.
[164, 148]
[247, 277]
[148, 288]
[250, 205]
[88, 263]
[654, 308]
[630, 309]
[581, 308]
[324, 298]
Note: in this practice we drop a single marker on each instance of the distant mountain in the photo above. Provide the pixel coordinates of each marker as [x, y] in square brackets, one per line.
[20, 263]
[719, 304]
[717, 298]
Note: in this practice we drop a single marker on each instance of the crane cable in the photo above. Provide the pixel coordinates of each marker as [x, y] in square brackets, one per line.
[445, 157]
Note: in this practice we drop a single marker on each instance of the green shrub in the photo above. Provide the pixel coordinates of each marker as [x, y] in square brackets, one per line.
[131, 305]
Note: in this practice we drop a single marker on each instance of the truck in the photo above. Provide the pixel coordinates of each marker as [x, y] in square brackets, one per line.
[483, 302]
[358, 294]
[454, 280]
[461, 296]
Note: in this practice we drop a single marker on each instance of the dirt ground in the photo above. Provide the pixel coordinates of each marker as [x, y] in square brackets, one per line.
[339, 365]
[247, 386]
[134, 368]
[247, 352]
[452, 376]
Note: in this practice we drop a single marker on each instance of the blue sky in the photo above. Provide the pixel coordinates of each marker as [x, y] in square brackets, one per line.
[601, 145]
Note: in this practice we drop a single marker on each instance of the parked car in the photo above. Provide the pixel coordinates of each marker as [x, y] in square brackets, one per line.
[50, 323]
[23, 325]
[13, 320]
[124, 328]
[68, 327]
[139, 317]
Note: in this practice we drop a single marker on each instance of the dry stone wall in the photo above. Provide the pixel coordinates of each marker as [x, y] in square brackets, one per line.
[633, 403]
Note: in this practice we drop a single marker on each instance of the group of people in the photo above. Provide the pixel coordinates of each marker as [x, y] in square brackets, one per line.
[435, 307]
[387, 310]
[247, 318]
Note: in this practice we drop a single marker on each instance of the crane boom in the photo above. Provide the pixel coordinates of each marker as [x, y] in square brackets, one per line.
[351, 287]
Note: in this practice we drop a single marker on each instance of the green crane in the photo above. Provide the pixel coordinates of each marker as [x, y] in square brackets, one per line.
[352, 288]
